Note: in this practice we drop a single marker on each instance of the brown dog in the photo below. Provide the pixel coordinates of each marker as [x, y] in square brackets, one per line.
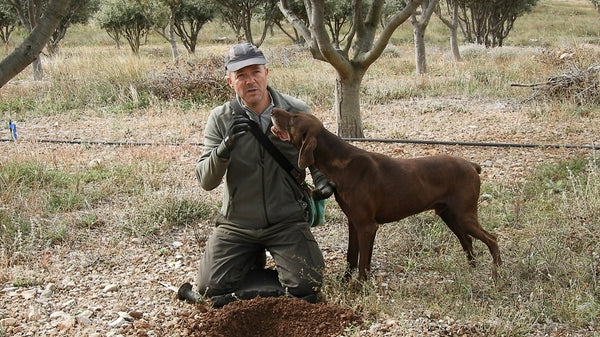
[372, 188]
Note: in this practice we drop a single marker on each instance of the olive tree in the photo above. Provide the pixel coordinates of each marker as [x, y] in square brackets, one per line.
[8, 21]
[189, 18]
[447, 12]
[240, 14]
[488, 22]
[29, 50]
[365, 42]
[29, 13]
[79, 12]
[131, 19]
[338, 19]
[297, 7]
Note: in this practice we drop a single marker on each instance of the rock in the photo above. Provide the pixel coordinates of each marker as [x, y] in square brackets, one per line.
[136, 314]
[86, 313]
[9, 289]
[110, 288]
[58, 314]
[119, 322]
[29, 294]
[47, 292]
[33, 314]
[66, 323]
[125, 316]
[6, 322]
[83, 320]
[68, 303]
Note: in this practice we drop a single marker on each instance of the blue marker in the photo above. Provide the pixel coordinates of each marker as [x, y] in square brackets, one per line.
[13, 130]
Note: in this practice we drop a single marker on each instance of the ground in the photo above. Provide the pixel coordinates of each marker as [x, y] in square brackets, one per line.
[106, 284]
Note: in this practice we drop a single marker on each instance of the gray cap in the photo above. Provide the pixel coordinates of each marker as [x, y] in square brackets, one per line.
[242, 55]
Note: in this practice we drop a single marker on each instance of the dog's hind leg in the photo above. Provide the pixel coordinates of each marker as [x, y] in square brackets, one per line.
[468, 226]
[475, 230]
[465, 240]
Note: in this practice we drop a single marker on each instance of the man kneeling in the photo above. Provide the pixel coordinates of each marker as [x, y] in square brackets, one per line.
[263, 207]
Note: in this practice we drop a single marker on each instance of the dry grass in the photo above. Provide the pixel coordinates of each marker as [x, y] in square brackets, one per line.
[547, 219]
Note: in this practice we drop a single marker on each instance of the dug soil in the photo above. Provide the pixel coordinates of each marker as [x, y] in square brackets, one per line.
[271, 317]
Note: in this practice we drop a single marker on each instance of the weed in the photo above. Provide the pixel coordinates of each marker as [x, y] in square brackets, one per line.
[167, 213]
[25, 283]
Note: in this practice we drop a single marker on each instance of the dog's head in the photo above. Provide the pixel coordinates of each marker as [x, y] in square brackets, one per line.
[300, 129]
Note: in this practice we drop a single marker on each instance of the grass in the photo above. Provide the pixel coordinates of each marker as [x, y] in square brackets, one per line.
[548, 225]
[551, 260]
[48, 206]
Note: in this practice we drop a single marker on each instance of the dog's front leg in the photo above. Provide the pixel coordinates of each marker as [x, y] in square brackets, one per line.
[366, 239]
[352, 253]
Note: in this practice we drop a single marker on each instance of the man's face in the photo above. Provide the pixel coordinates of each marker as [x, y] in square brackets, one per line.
[250, 84]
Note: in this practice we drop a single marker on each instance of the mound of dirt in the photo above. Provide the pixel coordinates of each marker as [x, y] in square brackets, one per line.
[271, 317]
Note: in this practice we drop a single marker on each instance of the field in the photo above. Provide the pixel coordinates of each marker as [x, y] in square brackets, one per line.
[99, 202]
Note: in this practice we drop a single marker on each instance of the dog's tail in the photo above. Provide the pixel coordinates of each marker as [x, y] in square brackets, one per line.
[477, 167]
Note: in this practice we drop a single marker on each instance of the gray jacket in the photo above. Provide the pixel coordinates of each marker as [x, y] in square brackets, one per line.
[258, 192]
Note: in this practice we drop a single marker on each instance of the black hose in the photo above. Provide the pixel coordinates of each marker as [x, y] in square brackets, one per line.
[371, 140]
[483, 144]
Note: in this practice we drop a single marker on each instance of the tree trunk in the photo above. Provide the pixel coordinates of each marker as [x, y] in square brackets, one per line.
[420, 24]
[454, 37]
[347, 105]
[32, 46]
[419, 41]
[173, 42]
[454, 44]
[38, 72]
[453, 26]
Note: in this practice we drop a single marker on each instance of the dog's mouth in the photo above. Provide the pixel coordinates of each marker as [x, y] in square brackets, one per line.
[280, 126]
[279, 133]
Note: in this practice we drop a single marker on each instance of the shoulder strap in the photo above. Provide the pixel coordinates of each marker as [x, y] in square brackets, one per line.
[268, 145]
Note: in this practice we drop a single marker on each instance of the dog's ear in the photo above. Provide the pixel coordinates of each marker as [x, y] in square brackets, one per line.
[305, 156]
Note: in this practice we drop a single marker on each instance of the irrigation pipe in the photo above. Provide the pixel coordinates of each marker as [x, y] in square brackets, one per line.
[481, 144]
[370, 140]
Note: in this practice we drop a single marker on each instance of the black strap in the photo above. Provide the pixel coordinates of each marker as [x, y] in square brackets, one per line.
[268, 145]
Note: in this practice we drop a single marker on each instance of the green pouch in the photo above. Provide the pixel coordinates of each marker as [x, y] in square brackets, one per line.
[316, 209]
[319, 217]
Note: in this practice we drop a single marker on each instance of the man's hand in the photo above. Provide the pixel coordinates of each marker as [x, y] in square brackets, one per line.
[323, 187]
[239, 126]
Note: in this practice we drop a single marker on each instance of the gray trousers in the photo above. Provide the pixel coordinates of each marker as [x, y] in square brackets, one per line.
[231, 252]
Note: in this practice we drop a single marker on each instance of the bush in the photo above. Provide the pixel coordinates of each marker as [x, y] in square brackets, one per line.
[199, 81]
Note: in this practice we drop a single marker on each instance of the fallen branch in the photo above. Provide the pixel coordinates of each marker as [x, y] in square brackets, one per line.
[579, 85]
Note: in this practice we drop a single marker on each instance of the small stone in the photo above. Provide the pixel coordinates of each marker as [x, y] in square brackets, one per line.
[83, 320]
[29, 294]
[110, 288]
[46, 293]
[33, 314]
[9, 289]
[58, 314]
[86, 313]
[125, 316]
[374, 327]
[68, 303]
[66, 323]
[136, 314]
[119, 322]
[6, 322]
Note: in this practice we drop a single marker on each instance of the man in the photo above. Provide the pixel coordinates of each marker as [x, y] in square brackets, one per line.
[263, 207]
